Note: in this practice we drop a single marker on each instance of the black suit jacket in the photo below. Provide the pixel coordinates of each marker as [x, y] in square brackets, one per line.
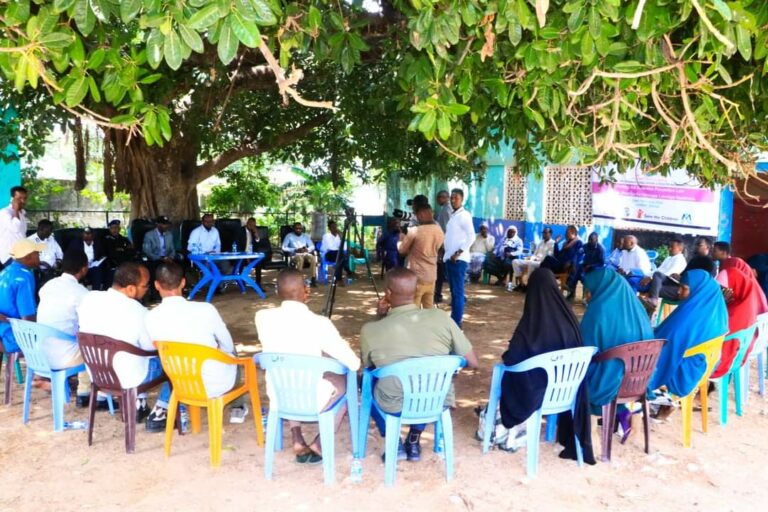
[78, 245]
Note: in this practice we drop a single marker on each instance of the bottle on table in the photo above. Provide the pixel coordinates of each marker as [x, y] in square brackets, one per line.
[234, 246]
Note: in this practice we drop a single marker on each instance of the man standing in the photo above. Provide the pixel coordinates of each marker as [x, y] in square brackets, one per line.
[459, 235]
[421, 246]
[13, 223]
[117, 313]
[665, 282]
[442, 216]
[293, 329]
[301, 248]
[50, 258]
[478, 251]
[407, 332]
[329, 251]
[522, 265]
[95, 253]
[635, 264]
[205, 238]
[17, 289]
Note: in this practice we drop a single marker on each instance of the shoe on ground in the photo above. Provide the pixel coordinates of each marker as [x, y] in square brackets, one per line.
[83, 401]
[238, 414]
[413, 448]
[142, 412]
[401, 454]
[438, 300]
[156, 420]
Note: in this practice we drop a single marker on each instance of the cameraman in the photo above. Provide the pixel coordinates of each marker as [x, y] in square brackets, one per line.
[421, 246]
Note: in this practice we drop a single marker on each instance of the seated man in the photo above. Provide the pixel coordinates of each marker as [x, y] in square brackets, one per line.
[50, 258]
[204, 238]
[96, 258]
[17, 289]
[614, 259]
[59, 300]
[117, 313]
[407, 332]
[544, 248]
[566, 259]
[293, 329]
[157, 247]
[118, 250]
[250, 240]
[478, 251]
[701, 258]
[508, 250]
[329, 251]
[302, 250]
[665, 282]
[634, 264]
[180, 320]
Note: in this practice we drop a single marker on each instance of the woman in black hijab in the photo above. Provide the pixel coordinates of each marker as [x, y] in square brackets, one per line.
[548, 324]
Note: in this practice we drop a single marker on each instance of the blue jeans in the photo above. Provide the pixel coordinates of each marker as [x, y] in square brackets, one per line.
[156, 370]
[381, 423]
[456, 272]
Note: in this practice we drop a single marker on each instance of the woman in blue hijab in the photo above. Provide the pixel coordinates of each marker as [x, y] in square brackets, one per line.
[614, 317]
[701, 317]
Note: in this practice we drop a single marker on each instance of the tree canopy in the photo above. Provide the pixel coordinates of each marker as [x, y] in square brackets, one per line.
[420, 87]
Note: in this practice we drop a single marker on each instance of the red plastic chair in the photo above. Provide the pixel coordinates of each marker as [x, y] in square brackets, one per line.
[639, 360]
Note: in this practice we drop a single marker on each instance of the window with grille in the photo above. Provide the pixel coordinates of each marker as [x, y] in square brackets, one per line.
[514, 195]
[568, 195]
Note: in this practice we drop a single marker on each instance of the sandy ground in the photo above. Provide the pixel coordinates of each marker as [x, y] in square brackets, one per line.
[725, 470]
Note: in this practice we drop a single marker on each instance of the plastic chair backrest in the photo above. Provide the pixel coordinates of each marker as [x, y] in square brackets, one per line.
[762, 334]
[99, 352]
[293, 380]
[710, 350]
[29, 336]
[229, 232]
[183, 364]
[426, 382]
[639, 360]
[744, 337]
[565, 371]
[185, 229]
[139, 229]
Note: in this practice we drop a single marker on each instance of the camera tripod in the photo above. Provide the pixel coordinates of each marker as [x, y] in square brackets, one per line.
[355, 235]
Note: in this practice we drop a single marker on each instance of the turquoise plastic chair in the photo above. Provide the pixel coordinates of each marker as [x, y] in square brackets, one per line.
[426, 382]
[565, 371]
[758, 354]
[744, 338]
[294, 379]
[652, 256]
[354, 262]
[30, 336]
[665, 309]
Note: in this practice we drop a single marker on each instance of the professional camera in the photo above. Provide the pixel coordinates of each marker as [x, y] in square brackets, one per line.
[402, 215]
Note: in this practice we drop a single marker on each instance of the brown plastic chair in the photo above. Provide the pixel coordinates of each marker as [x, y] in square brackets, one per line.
[99, 353]
[639, 362]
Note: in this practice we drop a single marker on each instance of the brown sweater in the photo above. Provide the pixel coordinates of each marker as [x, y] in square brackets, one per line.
[421, 245]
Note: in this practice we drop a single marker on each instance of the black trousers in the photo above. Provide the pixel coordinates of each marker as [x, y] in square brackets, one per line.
[331, 256]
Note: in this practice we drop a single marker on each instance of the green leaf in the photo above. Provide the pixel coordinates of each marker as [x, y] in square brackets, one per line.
[537, 118]
[515, 32]
[192, 38]
[95, 94]
[205, 17]
[723, 9]
[744, 42]
[155, 48]
[456, 109]
[427, 123]
[96, 58]
[444, 126]
[57, 40]
[20, 73]
[587, 48]
[165, 124]
[246, 31]
[227, 47]
[264, 15]
[724, 74]
[62, 5]
[150, 79]
[84, 17]
[576, 19]
[172, 50]
[76, 91]
[77, 52]
[129, 9]
[629, 66]
[595, 25]
[33, 70]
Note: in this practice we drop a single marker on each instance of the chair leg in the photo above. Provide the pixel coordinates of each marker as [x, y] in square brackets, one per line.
[173, 405]
[739, 388]
[646, 426]
[761, 372]
[490, 411]
[27, 395]
[533, 429]
[391, 440]
[551, 428]
[17, 369]
[723, 389]
[257, 418]
[129, 397]
[10, 363]
[745, 372]
[438, 437]
[92, 412]
[686, 407]
[606, 432]
[194, 418]
[271, 445]
[215, 427]
[446, 426]
[704, 401]
[325, 425]
[59, 387]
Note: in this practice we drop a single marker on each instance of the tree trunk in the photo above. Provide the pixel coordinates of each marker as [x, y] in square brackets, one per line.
[161, 181]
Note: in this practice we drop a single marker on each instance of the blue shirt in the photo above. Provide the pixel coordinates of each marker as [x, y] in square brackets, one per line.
[293, 241]
[570, 255]
[594, 256]
[17, 299]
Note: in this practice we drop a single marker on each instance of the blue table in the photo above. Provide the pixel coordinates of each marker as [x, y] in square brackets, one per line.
[213, 277]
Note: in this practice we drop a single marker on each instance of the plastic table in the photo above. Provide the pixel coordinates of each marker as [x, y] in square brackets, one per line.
[213, 277]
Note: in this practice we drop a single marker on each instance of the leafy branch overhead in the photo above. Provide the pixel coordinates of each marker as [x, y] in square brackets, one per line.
[668, 82]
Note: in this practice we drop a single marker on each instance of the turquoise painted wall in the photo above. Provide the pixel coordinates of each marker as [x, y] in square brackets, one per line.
[10, 172]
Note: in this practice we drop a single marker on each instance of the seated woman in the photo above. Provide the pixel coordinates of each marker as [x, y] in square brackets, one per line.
[700, 317]
[547, 324]
[613, 317]
[743, 299]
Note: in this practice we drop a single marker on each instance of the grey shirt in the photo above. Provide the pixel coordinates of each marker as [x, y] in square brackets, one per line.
[444, 215]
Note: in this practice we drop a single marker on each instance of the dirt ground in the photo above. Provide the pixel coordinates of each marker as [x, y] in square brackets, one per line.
[725, 470]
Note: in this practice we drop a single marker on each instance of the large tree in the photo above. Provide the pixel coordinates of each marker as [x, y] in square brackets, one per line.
[183, 88]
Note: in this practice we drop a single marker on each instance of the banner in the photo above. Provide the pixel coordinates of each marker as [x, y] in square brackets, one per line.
[661, 203]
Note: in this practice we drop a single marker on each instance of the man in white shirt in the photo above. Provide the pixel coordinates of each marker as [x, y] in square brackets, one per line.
[459, 235]
[204, 238]
[293, 329]
[634, 263]
[117, 313]
[329, 251]
[52, 255]
[522, 265]
[666, 280]
[478, 251]
[302, 250]
[13, 223]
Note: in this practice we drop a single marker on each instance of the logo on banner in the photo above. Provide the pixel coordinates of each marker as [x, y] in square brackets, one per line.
[686, 218]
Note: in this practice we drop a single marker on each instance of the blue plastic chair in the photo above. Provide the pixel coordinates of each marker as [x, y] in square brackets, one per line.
[744, 338]
[426, 382]
[30, 336]
[565, 371]
[293, 381]
[759, 354]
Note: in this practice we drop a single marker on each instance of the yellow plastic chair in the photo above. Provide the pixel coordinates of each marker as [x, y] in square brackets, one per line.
[183, 363]
[711, 350]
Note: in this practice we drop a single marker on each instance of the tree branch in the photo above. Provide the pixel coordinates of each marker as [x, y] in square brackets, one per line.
[247, 149]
